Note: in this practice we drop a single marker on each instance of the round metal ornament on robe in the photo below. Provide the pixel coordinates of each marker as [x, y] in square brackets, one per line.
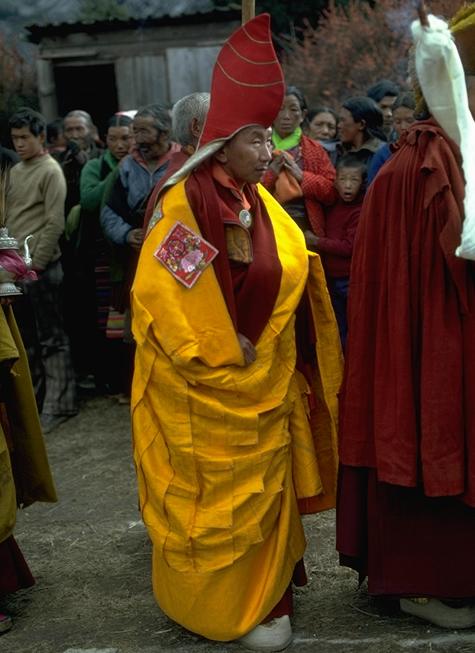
[245, 218]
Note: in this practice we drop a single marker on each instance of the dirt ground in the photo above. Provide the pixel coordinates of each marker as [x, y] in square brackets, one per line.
[91, 558]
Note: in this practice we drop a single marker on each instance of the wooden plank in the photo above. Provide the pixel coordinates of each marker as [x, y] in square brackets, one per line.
[140, 81]
[190, 70]
[69, 53]
[143, 41]
[47, 90]
[248, 10]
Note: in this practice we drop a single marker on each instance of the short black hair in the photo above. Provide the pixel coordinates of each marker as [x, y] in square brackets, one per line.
[26, 117]
[383, 88]
[119, 120]
[406, 100]
[54, 129]
[314, 112]
[365, 108]
[353, 161]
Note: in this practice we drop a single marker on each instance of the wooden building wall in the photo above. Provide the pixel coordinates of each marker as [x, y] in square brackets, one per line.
[151, 64]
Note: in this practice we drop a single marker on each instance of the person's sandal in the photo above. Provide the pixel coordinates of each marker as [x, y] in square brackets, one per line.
[5, 623]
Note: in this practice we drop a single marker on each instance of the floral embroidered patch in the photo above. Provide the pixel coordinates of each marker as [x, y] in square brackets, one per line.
[185, 254]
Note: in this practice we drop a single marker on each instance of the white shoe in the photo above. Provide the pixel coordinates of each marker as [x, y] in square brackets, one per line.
[275, 635]
[439, 613]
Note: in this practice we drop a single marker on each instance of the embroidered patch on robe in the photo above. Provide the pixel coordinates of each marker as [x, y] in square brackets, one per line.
[185, 254]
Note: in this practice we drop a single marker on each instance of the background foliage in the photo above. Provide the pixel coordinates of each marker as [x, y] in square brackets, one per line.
[330, 48]
[17, 80]
[353, 47]
[286, 15]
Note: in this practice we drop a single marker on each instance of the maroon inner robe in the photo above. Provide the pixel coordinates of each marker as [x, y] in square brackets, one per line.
[15, 573]
[407, 544]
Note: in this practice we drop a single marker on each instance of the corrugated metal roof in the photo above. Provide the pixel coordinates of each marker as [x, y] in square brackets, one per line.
[55, 12]
[35, 33]
[172, 8]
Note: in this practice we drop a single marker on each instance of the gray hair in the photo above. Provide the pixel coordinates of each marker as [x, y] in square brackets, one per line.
[160, 114]
[79, 113]
[191, 106]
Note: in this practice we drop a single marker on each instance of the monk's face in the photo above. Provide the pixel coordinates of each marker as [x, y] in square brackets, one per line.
[246, 157]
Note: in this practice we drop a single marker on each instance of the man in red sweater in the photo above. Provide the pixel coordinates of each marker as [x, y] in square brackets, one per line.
[341, 221]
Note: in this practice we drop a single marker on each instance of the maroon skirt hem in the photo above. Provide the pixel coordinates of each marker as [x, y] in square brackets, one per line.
[406, 544]
[15, 573]
[286, 603]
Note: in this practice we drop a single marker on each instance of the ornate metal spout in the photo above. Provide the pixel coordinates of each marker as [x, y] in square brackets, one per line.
[26, 252]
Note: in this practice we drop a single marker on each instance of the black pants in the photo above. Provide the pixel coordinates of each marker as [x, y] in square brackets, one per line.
[39, 316]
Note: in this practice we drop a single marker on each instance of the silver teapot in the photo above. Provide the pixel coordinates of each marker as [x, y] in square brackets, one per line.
[13, 266]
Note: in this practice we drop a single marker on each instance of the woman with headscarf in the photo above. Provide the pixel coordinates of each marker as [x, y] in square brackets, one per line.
[300, 175]
[323, 127]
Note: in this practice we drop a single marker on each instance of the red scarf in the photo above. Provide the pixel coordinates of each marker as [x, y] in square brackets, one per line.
[250, 290]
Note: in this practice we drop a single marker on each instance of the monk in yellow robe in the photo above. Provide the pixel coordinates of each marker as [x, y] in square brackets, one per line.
[25, 476]
[232, 429]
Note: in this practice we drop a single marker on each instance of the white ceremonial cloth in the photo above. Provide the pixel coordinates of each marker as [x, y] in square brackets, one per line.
[442, 81]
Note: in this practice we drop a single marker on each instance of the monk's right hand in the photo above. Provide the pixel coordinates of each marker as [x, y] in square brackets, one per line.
[248, 349]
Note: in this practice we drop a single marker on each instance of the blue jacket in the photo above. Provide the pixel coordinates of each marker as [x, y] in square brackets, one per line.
[378, 160]
[125, 205]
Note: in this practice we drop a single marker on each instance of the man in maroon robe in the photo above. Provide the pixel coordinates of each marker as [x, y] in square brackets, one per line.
[406, 508]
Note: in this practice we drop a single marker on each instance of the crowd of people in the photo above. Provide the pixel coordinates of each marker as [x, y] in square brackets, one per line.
[93, 197]
[198, 263]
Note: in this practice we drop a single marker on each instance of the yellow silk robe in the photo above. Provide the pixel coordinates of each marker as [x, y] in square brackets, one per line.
[223, 451]
[30, 480]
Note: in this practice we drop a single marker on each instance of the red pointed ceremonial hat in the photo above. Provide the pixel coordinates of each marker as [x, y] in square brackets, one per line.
[248, 85]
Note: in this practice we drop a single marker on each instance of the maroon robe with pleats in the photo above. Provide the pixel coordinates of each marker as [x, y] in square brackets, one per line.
[407, 421]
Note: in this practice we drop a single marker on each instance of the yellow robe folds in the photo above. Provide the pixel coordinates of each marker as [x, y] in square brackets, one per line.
[28, 479]
[222, 451]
